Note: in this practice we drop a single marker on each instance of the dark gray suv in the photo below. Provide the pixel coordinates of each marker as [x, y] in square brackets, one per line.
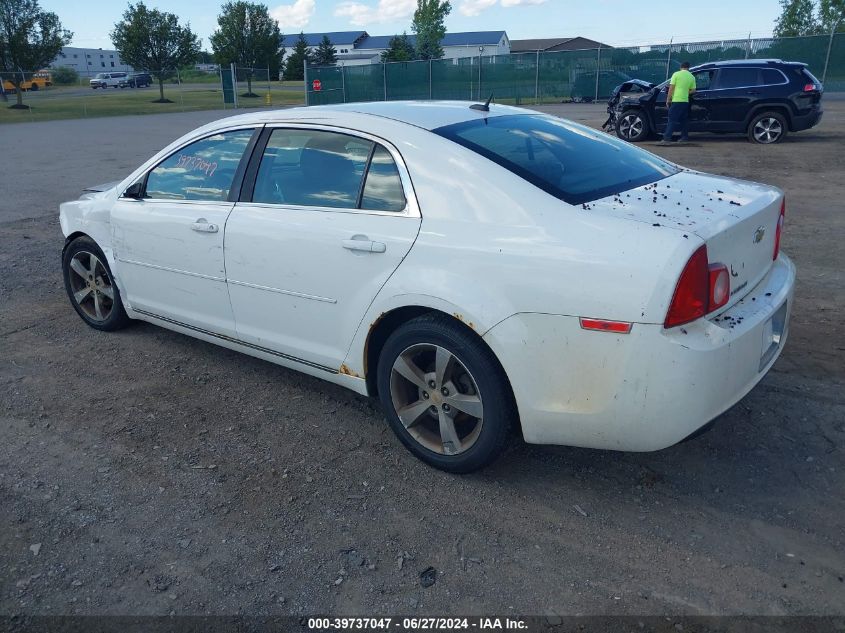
[762, 98]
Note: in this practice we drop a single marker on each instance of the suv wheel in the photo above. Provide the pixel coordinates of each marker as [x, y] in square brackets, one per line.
[766, 128]
[632, 126]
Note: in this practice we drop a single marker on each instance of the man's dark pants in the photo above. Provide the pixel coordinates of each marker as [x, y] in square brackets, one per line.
[678, 120]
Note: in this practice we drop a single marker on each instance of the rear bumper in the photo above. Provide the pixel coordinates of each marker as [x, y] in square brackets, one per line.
[806, 121]
[646, 390]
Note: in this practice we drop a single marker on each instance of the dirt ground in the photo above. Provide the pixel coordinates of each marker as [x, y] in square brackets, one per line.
[145, 472]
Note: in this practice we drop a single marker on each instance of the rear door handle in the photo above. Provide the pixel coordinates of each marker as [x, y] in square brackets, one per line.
[368, 246]
[204, 226]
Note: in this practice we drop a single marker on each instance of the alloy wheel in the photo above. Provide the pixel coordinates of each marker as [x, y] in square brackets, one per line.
[91, 286]
[631, 125]
[436, 399]
[767, 130]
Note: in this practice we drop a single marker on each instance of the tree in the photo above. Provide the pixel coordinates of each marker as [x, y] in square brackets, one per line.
[248, 37]
[325, 54]
[294, 68]
[399, 49]
[832, 15]
[429, 25]
[796, 18]
[153, 40]
[30, 39]
[64, 76]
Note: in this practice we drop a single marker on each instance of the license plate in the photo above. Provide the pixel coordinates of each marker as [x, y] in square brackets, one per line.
[772, 335]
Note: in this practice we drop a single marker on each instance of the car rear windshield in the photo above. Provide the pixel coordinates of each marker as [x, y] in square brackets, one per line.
[571, 162]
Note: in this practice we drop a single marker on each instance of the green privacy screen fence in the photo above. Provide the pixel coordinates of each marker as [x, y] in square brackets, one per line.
[548, 77]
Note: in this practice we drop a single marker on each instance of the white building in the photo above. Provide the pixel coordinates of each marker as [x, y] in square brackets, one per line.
[359, 47]
[91, 61]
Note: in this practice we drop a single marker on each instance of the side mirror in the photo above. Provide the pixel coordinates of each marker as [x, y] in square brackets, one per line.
[134, 191]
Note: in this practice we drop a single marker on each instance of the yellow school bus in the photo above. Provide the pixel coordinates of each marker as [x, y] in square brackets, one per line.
[32, 81]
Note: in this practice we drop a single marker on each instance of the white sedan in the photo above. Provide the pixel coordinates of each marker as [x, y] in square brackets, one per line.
[478, 270]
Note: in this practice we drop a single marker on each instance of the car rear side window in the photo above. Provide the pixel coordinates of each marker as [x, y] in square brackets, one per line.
[739, 77]
[203, 170]
[569, 161]
[383, 187]
[318, 168]
[772, 77]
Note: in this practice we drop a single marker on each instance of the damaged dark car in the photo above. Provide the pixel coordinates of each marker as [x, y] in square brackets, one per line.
[764, 99]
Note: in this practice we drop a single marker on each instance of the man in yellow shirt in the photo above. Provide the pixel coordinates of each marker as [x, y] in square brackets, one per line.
[681, 86]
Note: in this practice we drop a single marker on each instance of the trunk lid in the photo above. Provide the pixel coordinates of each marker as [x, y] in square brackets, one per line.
[736, 219]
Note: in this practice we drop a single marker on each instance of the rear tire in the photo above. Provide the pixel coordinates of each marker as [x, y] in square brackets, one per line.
[445, 394]
[767, 128]
[90, 287]
[632, 126]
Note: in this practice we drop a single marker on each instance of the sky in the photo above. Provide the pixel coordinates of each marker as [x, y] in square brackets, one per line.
[613, 22]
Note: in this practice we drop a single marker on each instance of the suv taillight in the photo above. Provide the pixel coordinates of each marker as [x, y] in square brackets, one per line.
[778, 229]
[702, 288]
[809, 87]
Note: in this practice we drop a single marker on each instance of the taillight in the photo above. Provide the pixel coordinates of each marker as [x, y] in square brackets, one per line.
[692, 294]
[809, 87]
[720, 286]
[702, 288]
[778, 229]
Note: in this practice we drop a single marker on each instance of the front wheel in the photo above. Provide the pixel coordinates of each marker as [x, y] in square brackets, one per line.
[445, 395]
[767, 128]
[90, 286]
[632, 126]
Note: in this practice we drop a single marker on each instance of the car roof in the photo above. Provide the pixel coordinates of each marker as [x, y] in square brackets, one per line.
[428, 115]
[749, 62]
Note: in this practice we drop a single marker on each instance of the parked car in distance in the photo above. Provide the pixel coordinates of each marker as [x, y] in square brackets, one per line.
[108, 80]
[137, 80]
[476, 267]
[762, 98]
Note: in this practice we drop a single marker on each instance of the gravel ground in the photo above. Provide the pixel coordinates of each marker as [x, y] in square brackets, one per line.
[144, 472]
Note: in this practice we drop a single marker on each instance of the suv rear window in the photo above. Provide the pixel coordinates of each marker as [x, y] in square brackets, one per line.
[569, 161]
[772, 77]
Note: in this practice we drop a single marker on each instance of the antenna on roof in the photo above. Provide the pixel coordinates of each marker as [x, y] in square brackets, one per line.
[484, 107]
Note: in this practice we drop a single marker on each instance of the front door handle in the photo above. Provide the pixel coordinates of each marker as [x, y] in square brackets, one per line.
[204, 226]
[360, 243]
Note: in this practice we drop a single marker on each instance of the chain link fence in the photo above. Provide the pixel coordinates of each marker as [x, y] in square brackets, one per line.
[553, 77]
[58, 94]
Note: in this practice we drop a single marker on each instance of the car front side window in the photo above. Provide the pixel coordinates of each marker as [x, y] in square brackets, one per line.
[203, 170]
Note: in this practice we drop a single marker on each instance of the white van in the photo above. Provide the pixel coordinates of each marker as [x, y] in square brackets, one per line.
[104, 80]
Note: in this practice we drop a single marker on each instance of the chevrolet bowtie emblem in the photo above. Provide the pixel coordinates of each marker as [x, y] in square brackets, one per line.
[758, 234]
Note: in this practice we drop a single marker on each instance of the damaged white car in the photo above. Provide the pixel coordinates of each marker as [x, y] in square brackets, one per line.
[478, 269]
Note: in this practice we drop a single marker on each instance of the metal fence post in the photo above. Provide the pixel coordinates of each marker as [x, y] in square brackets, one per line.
[305, 79]
[669, 58]
[537, 80]
[343, 81]
[829, 46]
[748, 46]
[234, 84]
[480, 51]
[598, 65]
[430, 92]
[384, 78]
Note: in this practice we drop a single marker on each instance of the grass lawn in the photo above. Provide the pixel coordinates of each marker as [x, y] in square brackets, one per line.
[73, 102]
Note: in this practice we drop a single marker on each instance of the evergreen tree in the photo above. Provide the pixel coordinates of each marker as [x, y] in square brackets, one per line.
[294, 68]
[325, 54]
[399, 49]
